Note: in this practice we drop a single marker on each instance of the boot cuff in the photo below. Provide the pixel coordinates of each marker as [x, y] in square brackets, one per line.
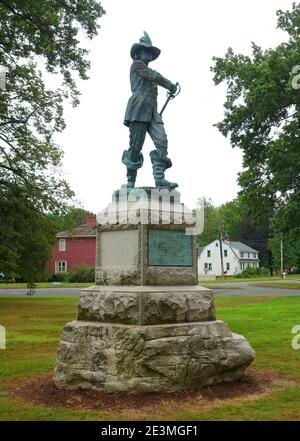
[130, 164]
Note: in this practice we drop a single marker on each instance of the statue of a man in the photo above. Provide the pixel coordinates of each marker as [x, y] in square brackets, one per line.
[142, 115]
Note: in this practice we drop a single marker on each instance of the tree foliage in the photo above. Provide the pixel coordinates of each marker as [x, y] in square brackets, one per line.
[291, 252]
[233, 220]
[26, 238]
[262, 117]
[230, 219]
[71, 218]
[212, 224]
[37, 38]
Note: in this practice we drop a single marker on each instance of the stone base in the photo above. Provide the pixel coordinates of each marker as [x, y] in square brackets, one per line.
[146, 236]
[154, 358]
[146, 305]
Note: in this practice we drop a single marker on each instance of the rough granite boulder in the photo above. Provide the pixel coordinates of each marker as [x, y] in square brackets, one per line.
[136, 359]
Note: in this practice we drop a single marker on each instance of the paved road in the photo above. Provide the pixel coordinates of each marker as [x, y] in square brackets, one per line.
[246, 289]
[239, 289]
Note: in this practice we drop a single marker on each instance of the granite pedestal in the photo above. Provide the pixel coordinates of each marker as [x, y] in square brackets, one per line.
[146, 325]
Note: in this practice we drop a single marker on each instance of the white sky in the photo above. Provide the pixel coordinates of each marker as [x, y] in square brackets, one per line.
[189, 34]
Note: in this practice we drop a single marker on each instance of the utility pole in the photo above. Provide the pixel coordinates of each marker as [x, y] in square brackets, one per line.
[281, 256]
[221, 220]
[221, 252]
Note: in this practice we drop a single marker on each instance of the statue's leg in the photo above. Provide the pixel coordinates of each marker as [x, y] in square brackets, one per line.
[133, 157]
[159, 157]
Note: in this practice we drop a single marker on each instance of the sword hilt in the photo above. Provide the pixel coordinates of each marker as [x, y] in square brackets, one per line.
[178, 89]
[170, 96]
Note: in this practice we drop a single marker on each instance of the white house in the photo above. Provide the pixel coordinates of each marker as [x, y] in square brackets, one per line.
[236, 257]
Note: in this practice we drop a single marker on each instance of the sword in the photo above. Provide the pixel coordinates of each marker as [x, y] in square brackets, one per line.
[171, 96]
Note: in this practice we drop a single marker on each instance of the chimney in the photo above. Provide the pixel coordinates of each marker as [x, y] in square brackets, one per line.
[91, 220]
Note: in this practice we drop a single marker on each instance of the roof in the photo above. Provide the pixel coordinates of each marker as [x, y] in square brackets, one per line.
[79, 231]
[237, 245]
[242, 247]
[200, 249]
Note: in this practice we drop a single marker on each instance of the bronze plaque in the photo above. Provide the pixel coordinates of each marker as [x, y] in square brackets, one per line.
[169, 248]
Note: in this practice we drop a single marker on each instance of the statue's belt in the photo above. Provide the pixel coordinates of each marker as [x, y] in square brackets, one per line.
[144, 94]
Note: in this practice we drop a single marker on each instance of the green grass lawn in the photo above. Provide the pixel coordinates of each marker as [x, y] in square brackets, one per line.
[34, 325]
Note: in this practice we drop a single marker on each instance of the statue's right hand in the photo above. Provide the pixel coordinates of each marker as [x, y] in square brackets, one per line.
[174, 89]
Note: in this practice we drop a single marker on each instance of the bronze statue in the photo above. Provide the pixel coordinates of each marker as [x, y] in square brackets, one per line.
[142, 116]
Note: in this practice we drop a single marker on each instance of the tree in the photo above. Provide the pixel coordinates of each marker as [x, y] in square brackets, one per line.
[291, 252]
[37, 37]
[26, 238]
[234, 220]
[262, 117]
[232, 214]
[211, 223]
[230, 219]
[71, 218]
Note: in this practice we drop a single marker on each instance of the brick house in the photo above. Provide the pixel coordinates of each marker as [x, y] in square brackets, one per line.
[74, 247]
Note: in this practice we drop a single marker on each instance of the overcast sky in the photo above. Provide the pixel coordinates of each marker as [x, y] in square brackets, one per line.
[189, 34]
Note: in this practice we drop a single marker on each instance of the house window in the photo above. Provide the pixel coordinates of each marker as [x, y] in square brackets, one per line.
[206, 266]
[208, 253]
[225, 253]
[62, 244]
[210, 267]
[60, 266]
[248, 255]
[217, 244]
[227, 266]
[242, 254]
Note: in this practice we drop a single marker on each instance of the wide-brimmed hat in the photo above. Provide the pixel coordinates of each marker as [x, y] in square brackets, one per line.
[145, 43]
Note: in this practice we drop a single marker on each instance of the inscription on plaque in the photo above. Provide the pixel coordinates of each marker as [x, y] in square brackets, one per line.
[169, 248]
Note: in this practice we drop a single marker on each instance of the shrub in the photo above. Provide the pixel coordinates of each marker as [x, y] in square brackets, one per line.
[59, 277]
[254, 272]
[82, 273]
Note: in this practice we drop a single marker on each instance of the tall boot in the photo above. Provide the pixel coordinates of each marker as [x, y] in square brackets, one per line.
[131, 177]
[132, 166]
[159, 166]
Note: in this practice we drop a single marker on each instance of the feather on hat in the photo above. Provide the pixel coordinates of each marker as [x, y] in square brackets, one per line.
[145, 43]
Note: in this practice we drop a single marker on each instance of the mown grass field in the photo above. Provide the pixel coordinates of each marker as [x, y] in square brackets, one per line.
[33, 327]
